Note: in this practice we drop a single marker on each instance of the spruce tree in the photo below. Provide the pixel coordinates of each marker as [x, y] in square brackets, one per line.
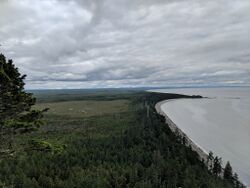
[16, 115]
[228, 172]
[236, 180]
[217, 168]
[210, 160]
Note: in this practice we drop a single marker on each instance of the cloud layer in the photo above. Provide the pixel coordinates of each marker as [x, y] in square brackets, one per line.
[120, 43]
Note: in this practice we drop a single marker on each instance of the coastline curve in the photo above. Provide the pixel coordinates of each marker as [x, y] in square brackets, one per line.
[203, 155]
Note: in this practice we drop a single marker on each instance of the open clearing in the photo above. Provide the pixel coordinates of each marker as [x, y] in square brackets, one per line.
[78, 109]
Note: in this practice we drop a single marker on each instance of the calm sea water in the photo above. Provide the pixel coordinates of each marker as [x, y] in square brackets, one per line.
[220, 123]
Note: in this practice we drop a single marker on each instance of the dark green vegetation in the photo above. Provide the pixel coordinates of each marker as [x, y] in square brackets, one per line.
[118, 141]
[16, 115]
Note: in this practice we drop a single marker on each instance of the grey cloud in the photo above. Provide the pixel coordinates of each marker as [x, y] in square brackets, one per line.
[118, 43]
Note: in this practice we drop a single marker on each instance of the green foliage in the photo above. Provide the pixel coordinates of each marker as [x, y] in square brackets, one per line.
[13, 99]
[16, 115]
[41, 145]
[217, 168]
[128, 148]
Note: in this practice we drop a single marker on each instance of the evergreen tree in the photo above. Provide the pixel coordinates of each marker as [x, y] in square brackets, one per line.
[16, 115]
[236, 180]
[228, 172]
[217, 169]
[210, 159]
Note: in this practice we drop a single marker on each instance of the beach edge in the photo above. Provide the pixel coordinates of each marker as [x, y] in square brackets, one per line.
[203, 155]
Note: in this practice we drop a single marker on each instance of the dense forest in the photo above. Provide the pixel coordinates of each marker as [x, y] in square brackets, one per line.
[143, 152]
[119, 141]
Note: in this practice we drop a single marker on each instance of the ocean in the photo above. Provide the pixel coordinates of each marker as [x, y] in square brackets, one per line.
[219, 123]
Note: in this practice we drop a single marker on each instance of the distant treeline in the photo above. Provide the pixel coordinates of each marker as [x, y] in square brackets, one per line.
[88, 94]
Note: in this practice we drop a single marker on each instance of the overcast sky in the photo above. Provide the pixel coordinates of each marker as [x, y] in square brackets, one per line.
[121, 43]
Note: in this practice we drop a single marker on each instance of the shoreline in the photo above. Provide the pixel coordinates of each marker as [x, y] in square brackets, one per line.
[203, 155]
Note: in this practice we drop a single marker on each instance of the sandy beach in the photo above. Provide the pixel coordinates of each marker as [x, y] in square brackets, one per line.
[195, 147]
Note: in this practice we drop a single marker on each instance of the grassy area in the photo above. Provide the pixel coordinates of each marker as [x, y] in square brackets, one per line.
[70, 120]
[81, 109]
